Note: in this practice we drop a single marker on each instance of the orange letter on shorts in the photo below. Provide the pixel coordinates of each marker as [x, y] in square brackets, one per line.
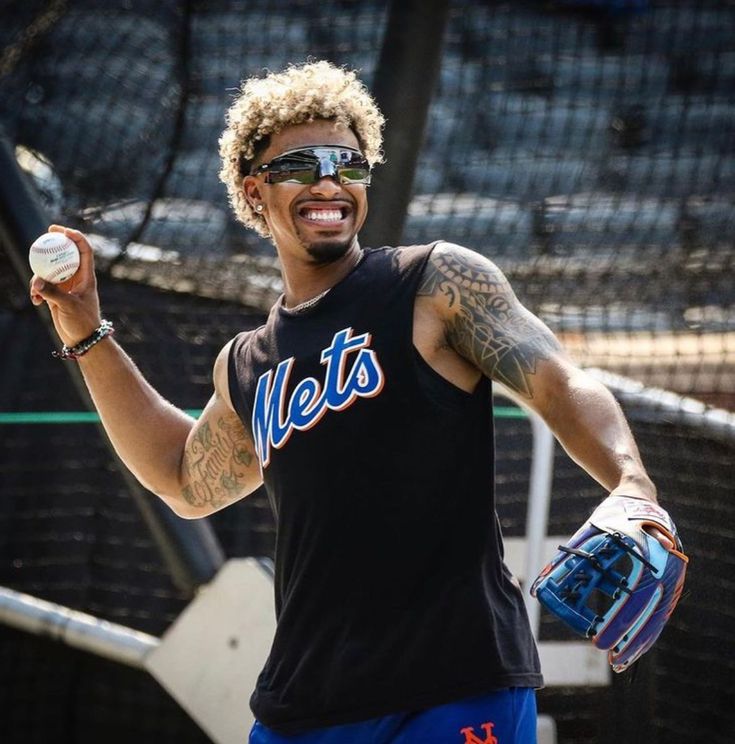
[470, 737]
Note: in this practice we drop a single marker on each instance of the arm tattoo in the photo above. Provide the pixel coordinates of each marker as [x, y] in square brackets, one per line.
[216, 463]
[489, 327]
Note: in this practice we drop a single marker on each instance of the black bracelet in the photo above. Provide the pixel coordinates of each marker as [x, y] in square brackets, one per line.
[74, 352]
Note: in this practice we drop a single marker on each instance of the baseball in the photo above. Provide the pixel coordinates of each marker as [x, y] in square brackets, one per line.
[54, 257]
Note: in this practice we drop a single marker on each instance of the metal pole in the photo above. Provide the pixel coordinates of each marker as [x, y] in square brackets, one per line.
[408, 68]
[190, 549]
[537, 517]
[75, 629]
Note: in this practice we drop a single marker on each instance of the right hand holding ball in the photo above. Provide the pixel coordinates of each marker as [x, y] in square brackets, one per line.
[54, 257]
[63, 262]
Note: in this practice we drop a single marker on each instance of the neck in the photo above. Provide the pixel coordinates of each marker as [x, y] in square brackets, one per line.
[304, 282]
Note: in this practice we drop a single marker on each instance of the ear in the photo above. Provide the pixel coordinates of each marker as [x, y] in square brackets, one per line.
[251, 188]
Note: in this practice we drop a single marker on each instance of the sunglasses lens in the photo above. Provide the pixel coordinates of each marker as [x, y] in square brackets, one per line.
[353, 167]
[354, 175]
[290, 168]
[294, 174]
[309, 165]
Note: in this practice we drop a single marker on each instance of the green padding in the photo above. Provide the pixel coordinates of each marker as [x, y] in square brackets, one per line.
[90, 417]
[62, 417]
[509, 412]
[49, 417]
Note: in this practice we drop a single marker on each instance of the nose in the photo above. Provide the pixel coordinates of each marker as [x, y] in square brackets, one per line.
[326, 186]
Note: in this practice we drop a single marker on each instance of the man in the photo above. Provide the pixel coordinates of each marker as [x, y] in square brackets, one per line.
[364, 404]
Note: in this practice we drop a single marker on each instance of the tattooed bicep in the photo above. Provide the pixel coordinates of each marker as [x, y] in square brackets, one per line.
[219, 464]
[485, 322]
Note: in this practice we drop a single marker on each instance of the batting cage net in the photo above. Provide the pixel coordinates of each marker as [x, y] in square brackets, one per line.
[586, 147]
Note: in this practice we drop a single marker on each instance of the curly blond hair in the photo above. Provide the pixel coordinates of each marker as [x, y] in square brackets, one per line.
[265, 106]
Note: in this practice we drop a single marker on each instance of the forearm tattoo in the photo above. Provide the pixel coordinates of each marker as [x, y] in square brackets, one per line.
[216, 463]
[489, 326]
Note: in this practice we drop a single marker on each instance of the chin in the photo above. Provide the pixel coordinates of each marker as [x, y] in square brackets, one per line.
[328, 251]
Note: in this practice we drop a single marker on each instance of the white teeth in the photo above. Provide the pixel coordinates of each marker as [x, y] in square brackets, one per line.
[324, 215]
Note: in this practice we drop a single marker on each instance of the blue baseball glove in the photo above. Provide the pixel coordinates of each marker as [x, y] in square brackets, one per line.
[615, 583]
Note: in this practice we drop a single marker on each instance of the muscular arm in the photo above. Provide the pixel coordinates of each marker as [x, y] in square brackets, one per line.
[195, 466]
[486, 325]
[219, 464]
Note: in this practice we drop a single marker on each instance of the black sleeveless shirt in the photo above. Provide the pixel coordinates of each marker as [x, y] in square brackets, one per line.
[391, 592]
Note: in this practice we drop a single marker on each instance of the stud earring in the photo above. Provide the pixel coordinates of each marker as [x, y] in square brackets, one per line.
[258, 207]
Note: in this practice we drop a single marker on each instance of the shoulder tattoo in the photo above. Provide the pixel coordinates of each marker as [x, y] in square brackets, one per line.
[488, 325]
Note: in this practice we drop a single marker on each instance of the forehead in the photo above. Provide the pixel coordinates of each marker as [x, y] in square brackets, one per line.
[318, 132]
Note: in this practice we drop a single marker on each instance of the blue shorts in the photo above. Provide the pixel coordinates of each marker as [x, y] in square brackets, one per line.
[502, 717]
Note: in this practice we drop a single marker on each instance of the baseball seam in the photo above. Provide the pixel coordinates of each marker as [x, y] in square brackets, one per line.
[54, 248]
[61, 270]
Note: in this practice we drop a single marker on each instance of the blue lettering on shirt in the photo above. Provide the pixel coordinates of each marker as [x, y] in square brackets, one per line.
[275, 417]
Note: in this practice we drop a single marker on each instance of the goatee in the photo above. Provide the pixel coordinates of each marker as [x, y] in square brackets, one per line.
[328, 251]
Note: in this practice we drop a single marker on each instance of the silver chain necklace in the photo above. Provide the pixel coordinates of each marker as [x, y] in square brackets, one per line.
[307, 303]
[310, 303]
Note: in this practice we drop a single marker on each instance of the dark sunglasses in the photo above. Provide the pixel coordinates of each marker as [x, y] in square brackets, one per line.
[309, 164]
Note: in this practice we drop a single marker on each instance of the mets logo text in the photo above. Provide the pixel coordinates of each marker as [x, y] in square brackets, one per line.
[470, 737]
[276, 414]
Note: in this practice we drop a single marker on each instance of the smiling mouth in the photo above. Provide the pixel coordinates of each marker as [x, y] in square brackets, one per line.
[323, 215]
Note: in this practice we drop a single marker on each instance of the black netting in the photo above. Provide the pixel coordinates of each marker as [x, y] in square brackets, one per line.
[587, 147]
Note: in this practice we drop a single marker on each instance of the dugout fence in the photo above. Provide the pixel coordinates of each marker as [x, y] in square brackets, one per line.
[588, 148]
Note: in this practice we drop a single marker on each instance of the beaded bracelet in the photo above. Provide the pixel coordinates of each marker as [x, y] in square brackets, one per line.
[74, 352]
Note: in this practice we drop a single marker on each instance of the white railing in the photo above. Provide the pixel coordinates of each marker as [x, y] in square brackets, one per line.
[567, 663]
